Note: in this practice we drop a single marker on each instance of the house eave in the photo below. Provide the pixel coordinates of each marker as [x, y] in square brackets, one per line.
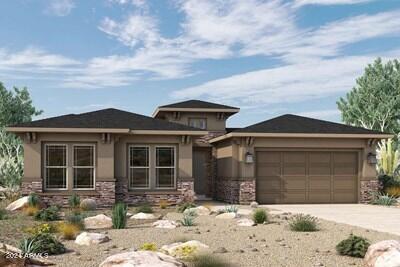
[222, 110]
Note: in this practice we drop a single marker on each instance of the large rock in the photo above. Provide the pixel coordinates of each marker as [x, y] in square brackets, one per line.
[178, 250]
[88, 204]
[244, 212]
[246, 222]
[18, 204]
[88, 239]
[100, 221]
[143, 216]
[383, 254]
[167, 224]
[227, 215]
[200, 210]
[253, 205]
[141, 259]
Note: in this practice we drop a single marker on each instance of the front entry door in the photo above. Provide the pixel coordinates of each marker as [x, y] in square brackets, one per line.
[200, 171]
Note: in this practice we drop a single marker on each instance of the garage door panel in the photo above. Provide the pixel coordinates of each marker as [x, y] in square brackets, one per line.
[294, 157]
[294, 183]
[273, 198]
[294, 197]
[268, 157]
[344, 197]
[344, 183]
[319, 183]
[319, 197]
[270, 169]
[269, 184]
[319, 157]
[344, 169]
[294, 169]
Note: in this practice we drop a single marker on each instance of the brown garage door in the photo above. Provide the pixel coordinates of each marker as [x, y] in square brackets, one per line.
[306, 177]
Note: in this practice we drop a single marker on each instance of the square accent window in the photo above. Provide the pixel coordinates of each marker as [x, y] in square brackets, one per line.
[165, 167]
[139, 167]
[56, 166]
[83, 166]
[200, 123]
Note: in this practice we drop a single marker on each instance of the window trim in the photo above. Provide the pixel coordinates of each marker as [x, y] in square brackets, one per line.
[56, 167]
[83, 167]
[198, 118]
[149, 166]
[164, 167]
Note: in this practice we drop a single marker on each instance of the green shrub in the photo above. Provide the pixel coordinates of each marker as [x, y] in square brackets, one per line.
[42, 243]
[75, 219]
[3, 214]
[260, 216]
[41, 228]
[119, 216]
[207, 260]
[187, 220]
[353, 246]
[33, 200]
[49, 214]
[74, 201]
[185, 205]
[384, 200]
[387, 181]
[145, 208]
[190, 212]
[232, 208]
[303, 223]
[149, 247]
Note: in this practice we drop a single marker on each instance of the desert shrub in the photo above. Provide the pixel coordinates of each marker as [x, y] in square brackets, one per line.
[187, 220]
[49, 214]
[41, 229]
[384, 200]
[353, 246]
[393, 191]
[260, 216]
[303, 223]
[185, 251]
[149, 247]
[75, 219]
[185, 205]
[30, 210]
[231, 208]
[191, 213]
[74, 201]
[387, 181]
[208, 260]
[3, 214]
[33, 200]
[163, 204]
[88, 204]
[145, 208]
[68, 230]
[119, 216]
[42, 243]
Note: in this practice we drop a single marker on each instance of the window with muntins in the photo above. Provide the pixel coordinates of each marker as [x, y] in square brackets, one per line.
[200, 123]
[56, 166]
[139, 167]
[83, 166]
[165, 167]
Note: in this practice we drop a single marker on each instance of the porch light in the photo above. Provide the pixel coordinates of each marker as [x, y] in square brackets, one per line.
[371, 158]
[249, 157]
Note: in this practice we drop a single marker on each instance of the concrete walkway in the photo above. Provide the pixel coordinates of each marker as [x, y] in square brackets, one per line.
[383, 219]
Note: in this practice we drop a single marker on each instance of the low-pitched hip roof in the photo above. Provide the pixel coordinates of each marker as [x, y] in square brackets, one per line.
[197, 104]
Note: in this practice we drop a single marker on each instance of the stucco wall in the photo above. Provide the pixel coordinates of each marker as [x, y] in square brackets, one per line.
[213, 124]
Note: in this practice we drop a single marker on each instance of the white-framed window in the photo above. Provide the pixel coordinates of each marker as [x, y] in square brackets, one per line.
[56, 166]
[165, 166]
[200, 123]
[139, 167]
[83, 166]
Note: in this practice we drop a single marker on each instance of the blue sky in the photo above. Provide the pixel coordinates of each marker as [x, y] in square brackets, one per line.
[266, 57]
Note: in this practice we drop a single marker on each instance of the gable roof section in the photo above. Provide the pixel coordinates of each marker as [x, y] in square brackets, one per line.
[297, 126]
[196, 105]
[107, 119]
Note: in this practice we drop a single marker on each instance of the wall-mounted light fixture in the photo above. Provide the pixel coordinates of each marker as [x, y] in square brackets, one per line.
[249, 157]
[371, 158]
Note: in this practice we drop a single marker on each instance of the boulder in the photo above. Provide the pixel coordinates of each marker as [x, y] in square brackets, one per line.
[141, 259]
[87, 239]
[385, 253]
[143, 216]
[100, 221]
[18, 204]
[244, 212]
[254, 205]
[200, 210]
[167, 224]
[246, 222]
[177, 250]
[227, 215]
[88, 204]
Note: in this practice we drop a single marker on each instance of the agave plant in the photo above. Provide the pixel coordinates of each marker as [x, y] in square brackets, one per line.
[384, 200]
[187, 220]
[388, 158]
[231, 208]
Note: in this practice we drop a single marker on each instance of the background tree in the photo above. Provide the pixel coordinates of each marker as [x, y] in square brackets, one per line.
[374, 102]
[15, 107]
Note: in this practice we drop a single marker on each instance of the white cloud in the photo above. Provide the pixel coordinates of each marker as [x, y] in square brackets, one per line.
[298, 3]
[320, 114]
[59, 7]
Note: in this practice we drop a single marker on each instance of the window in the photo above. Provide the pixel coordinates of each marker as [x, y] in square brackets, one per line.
[83, 166]
[56, 166]
[198, 123]
[139, 167]
[165, 167]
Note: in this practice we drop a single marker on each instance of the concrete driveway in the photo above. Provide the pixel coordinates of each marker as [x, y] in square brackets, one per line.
[383, 219]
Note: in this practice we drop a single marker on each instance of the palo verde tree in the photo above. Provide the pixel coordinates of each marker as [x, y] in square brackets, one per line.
[15, 107]
[374, 103]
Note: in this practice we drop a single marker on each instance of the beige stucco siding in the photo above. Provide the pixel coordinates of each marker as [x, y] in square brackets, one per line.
[213, 124]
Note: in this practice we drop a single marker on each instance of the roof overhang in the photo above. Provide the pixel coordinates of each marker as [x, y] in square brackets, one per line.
[222, 110]
[101, 130]
[301, 135]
